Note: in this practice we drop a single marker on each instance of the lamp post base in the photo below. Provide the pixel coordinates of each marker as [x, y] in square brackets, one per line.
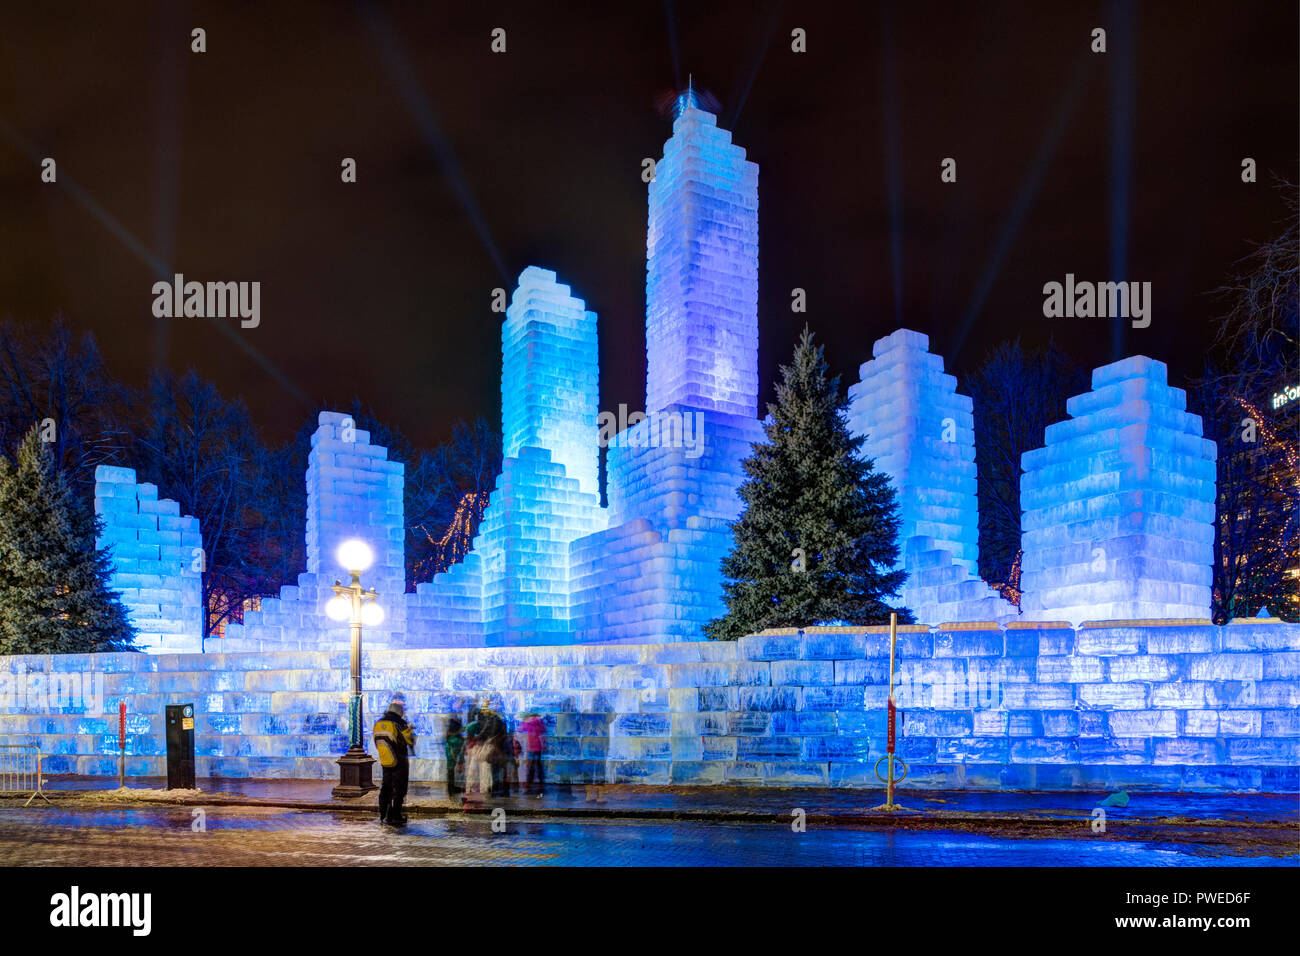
[354, 774]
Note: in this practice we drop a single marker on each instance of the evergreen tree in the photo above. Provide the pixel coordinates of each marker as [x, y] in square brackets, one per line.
[54, 592]
[818, 535]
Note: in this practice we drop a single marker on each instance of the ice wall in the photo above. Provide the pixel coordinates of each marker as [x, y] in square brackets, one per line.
[353, 491]
[921, 433]
[655, 574]
[1119, 504]
[1168, 707]
[157, 561]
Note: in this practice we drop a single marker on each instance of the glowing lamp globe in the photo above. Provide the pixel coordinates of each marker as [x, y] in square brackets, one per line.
[338, 608]
[372, 615]
[355, 555]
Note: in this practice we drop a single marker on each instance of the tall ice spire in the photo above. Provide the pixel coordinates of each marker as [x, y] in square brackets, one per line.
[702, 269]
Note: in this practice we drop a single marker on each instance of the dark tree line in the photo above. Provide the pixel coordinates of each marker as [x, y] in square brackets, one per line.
[203, 450]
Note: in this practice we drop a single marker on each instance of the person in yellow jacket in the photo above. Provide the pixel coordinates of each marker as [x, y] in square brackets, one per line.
[394, 738]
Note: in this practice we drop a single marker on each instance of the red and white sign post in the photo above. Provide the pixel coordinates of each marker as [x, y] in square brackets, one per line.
[892, 715]
[121, 743]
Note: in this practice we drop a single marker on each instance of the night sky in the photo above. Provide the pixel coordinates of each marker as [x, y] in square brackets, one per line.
[472, 165]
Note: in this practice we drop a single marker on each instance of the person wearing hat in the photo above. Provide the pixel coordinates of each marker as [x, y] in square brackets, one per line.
[394, 741]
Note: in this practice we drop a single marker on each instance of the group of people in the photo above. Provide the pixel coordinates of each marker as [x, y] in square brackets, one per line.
[484, 755]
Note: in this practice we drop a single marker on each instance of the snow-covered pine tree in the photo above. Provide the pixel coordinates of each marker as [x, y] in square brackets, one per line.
[819, 533]
[54, 592]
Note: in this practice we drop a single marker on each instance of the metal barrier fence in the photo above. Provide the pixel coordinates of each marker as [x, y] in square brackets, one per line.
[20, 771]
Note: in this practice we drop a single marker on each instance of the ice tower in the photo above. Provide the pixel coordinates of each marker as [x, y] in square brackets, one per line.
[702, 271]
[654, 575]
[353, 491]
[1119, 504]
[921, 433]
[550, 376]
[514, 586]
[549, 564]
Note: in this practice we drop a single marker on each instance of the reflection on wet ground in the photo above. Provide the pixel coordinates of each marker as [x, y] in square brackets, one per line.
[277, 837]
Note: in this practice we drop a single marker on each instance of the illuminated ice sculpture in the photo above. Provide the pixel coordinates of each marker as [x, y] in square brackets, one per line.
[921, 432]
[1119, 504]
[655, 574]
[550, 565]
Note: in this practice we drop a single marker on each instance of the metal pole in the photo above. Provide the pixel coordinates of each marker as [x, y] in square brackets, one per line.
[893, 642]
[121, 744]
[891, 717]
[355, 765]
[354, 714]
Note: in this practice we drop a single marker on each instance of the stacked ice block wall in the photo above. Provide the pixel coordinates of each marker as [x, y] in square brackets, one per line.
[654, 575]
[1119, 504]
[550, 377]
[548, 492]
[921, 433]
[157, 561]
[353, 491]
[1165, 707]
[514, 586]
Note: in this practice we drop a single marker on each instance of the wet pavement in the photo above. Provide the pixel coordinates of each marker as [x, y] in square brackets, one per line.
[298, 822]
[738, 803]
[267, 836]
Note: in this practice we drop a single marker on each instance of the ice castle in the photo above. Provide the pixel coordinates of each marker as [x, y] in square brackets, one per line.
[589, 611]
[1119, 504]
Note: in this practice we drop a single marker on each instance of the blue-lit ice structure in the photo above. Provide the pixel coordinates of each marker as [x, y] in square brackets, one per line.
[353, 491]
[1119, 505]
[1163, 704]
[550, 565]
[514, 586]
[157, 557]
[1127, 477]
[921, 433]
[655, 574]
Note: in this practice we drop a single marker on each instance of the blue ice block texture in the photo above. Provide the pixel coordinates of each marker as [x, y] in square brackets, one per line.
[921, 432]
[702, 272]
[1155, 706]
[157, 560]
[1119, 505]
[353, 491]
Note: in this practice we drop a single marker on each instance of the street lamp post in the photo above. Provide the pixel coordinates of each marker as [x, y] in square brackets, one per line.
[357, 606]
